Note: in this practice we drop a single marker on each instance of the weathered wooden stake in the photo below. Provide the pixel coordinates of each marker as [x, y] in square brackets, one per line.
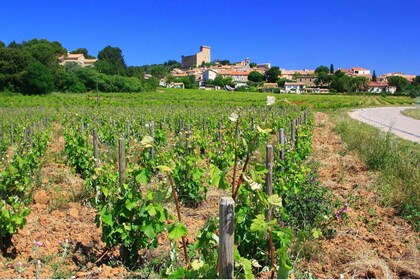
[226, 237]
[220, 134]
[281, 139]
[152, 132]
[269, 186]
[292, 132]
[128, 132]
[121, 161]
[95, 147]
[82, 127]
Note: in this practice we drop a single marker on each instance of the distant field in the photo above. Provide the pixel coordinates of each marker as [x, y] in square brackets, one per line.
[175, 97]
[413, 113]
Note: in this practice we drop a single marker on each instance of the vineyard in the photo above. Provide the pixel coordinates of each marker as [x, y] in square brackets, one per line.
[149, 171]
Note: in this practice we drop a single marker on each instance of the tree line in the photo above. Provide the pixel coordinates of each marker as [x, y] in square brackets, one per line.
[32, 67]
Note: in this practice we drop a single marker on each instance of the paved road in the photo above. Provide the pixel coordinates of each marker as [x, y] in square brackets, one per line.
[390, 118]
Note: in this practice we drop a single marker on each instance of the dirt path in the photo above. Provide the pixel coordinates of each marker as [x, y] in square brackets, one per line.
[374, 243]
[390, 118]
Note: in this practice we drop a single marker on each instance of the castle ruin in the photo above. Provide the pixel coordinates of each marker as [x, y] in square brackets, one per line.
[203, 56]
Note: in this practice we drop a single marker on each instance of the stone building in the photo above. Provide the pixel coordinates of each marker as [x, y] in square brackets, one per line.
[197, 59]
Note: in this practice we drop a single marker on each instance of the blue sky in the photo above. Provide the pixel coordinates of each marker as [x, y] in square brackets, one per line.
[378, 35]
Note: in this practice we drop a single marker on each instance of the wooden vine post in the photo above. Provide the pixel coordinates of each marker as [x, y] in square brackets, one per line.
[226, 263]
[121, 161]
[152, 132]
[269, 189]
[95, 147]
[282, 150]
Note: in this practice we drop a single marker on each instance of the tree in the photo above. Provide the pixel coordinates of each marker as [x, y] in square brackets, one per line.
[272, 74]
[38, 79]
[111, 61]
[323, 79]
[83, 51]
[172, 64]
[2, 45]
[416, 81]
[340, 83]
[399, 82]
[331, 69]
[322, 69]
[224, 62]
[374, 78]
[255, 76]
[359, 84]
[13, 64]
[253, 65]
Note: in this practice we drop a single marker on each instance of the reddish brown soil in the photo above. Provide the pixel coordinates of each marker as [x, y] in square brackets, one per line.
[374, 242]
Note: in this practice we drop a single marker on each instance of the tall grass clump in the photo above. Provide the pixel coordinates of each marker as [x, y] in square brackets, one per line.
[397, 160]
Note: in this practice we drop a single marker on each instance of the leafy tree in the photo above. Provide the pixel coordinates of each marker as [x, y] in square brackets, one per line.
[374, 78]
[399, 82]
[13, 67]
[158, 71]
[340, 83]
[331, 69]
[83, 51]
[38, 79]
[416, 81]
[224, 62]
[272, 74]
[189, 82]
[172, 64]
[2, 45]
[323, 79]
[255, 76]
[339, 73]
[282, 81]
[111, 61]
[135, 71]
[253, 65]
[322, 69]
[359, 84]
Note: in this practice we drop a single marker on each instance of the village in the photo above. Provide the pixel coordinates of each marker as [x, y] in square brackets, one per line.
[297, 81]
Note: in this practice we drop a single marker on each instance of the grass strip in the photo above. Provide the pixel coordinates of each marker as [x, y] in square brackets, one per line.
[398, 161]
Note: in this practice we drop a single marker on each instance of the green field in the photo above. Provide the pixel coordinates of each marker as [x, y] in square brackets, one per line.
[413, 113]
[146, 159]
[174, 97]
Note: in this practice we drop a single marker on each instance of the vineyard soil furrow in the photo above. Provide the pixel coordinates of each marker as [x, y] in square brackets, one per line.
[374, 243]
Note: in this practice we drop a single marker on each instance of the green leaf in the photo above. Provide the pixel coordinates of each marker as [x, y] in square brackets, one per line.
[165, 168]
[107, 218]
[316, 233]
[151, 210]
[177, 231]
[142, 178]
[149, 231]
[259, 224]
[197, 264]
[130, 204]
[275, 200]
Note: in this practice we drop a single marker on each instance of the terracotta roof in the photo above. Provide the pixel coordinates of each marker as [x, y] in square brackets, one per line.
[293, 84]
[376, 84]
[74, 55]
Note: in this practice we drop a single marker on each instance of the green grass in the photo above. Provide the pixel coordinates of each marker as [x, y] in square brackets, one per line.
[413, 113]
[179, 97]
[398, 161]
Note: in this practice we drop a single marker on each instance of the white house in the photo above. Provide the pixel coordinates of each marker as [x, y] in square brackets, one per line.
[77, 58]
[209, 74]
[358, 71]
[381, 87]
[294, 87]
